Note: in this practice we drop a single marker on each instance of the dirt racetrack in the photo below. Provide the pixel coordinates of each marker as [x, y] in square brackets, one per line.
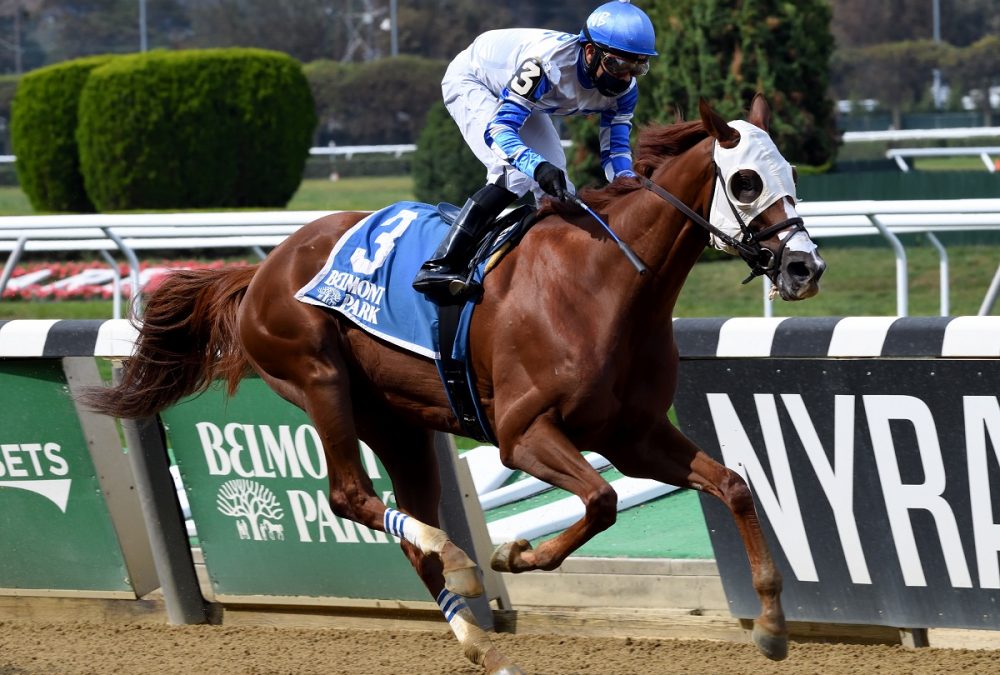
[134, 649]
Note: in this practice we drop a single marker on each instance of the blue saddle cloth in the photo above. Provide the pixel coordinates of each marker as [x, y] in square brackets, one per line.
[368, 274]
[368, 277]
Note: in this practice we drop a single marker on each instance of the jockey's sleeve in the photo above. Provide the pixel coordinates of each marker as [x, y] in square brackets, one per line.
[616, 126]
[503, 133]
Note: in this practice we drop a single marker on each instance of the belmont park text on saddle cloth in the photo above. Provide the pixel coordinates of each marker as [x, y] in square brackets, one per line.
[368, 275]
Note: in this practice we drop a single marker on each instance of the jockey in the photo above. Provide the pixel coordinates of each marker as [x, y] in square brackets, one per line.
[502, 90]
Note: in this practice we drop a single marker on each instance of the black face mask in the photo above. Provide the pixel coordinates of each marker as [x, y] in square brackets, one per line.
[607, 84]
[611, 86]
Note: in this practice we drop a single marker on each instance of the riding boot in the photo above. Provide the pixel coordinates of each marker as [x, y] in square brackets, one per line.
[443, 277]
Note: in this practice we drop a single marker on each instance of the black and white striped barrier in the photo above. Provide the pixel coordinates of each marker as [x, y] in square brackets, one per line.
[23, 338]
[849, 337]
[839, 337]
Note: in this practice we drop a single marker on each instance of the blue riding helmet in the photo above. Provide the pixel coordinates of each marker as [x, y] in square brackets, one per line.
[620, 27]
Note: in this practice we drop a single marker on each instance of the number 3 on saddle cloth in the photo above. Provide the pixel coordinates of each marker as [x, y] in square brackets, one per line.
[367, 278]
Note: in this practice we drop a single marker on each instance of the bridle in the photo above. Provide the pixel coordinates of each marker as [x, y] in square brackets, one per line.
[760, 259]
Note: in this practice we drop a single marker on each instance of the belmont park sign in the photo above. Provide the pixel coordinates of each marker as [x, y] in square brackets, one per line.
[256, 478]
[252, 455]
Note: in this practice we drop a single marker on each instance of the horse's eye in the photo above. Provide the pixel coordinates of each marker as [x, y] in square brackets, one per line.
[745, 186]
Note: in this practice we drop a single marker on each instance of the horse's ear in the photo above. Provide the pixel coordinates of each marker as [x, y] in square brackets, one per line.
[760, 112]
[716, 126]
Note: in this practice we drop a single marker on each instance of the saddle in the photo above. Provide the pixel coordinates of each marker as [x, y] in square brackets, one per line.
[509, 229]
[454, 365]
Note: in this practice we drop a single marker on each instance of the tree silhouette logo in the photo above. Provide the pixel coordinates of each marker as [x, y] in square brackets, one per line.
[255, 508]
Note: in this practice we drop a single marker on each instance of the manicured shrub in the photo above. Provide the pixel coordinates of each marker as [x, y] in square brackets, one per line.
[43, 135]
[195, 129]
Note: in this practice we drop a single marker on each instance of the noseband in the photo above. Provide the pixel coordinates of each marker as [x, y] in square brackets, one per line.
[761, 260]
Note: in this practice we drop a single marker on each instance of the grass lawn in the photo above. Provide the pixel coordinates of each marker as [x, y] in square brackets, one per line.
[13, 202]
[350, 194]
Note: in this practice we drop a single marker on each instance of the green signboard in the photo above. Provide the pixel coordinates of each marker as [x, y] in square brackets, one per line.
[55, 529]
[255, 475]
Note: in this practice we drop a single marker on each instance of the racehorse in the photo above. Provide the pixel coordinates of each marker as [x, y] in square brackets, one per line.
[572, 350]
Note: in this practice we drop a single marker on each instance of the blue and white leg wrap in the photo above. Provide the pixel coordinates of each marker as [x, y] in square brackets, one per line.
[463, 624]
[450, 604]
[401, 525]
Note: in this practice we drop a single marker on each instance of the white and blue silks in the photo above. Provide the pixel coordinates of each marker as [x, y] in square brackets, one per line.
[503, 89]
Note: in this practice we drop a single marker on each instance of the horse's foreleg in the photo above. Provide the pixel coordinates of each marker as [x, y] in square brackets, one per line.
[668, 456]
[545, 452]
[408, 456]
[352, 496]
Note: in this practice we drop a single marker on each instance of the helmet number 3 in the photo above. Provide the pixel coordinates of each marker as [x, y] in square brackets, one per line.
[526, 78]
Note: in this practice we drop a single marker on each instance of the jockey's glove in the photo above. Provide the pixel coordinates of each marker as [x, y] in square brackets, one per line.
[551, 179]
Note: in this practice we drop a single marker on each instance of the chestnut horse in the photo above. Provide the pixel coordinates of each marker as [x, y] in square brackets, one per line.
[572, 349]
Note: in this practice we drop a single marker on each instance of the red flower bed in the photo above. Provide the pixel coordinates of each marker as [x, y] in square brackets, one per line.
[74, 280]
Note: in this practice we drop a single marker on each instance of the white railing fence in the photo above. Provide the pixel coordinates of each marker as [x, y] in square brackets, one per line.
[130, 233]
[986, 154]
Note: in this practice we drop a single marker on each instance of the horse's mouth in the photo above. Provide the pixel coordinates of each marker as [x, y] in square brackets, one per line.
[799, 276]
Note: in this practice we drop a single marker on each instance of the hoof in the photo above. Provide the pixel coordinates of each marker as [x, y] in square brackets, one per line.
[504, 556]
[774, 647]
[508, 669]
[496, 663]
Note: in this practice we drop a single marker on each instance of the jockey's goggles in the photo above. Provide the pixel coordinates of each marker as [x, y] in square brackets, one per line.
[617, 65]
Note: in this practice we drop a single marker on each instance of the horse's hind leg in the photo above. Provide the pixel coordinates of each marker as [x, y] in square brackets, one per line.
[408, 455]
[306, 368]
[668, 456]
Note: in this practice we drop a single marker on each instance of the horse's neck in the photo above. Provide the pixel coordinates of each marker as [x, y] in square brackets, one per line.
[664, 238]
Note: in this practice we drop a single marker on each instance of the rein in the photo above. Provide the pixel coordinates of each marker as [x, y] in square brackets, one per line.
[760, 259]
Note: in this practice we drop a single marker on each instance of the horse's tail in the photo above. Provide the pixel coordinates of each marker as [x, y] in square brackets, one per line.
[188, 337]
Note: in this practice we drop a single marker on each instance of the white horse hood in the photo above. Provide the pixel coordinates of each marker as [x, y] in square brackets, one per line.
[756, 151]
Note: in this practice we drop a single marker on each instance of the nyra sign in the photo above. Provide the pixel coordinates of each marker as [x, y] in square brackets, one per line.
[877, 480]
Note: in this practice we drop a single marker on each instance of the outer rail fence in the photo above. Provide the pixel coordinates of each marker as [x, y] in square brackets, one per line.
[129, 233]
[871, 446]
[893, 218]
[986, 154]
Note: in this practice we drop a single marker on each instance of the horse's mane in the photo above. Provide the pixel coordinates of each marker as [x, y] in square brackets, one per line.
[657, 143]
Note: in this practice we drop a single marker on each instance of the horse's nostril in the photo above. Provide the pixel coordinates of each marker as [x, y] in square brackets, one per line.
[799, 270]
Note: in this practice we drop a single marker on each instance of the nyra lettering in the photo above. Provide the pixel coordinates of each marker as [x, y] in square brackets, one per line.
[883, 414]
[31, 460]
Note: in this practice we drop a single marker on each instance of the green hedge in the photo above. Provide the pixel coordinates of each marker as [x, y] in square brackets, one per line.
[43, 127]
[195, 129]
